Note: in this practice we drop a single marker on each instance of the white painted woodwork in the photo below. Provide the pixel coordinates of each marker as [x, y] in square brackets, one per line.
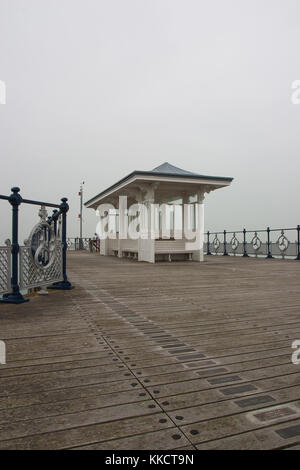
[150, 190]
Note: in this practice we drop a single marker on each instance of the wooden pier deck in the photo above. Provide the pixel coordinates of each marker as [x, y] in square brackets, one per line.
[166, 356]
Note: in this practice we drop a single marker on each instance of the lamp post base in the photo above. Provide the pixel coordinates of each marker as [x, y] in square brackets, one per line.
[13, 299]
[62, 285]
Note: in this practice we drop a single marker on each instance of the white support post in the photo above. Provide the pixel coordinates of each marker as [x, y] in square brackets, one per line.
[185, 200]
[104, 247]
[198, 255]
[146, 242]
[122, 226]
[104, 242]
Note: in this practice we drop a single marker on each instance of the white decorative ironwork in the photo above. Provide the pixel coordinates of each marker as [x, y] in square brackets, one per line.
[41, 257]
[86, 243]
[5, 268]
[256, 242]
[234, 243]
[33, 276]
[216, 243]
[282, 243]
[79, 243]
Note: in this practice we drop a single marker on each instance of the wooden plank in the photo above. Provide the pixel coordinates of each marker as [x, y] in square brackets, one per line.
[86, 435]
[13, 430]
[158, 440]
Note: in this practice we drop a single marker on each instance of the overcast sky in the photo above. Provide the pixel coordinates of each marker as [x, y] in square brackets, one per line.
[98, 88]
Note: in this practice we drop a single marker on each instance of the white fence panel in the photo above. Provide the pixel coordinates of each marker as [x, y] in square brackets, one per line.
[32, 275]
[5, 270]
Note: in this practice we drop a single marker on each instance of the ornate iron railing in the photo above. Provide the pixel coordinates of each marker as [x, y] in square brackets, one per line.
[5, 269]
[89, 244]
[269, 243]
[32, 275]
[42, 259]
[75, 244]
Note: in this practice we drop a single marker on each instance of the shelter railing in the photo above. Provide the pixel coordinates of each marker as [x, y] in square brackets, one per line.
[268, 243]
[42, 259]
[89, 244]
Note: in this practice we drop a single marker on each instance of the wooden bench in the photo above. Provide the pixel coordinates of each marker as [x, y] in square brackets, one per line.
[128, 253]
[176, 252]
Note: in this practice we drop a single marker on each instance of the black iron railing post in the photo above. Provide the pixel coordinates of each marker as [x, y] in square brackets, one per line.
[225, 250]
[55, 221]
[208, 247]
[15, 297]
[64, 284]
[298, 242]
[269, 243]
[245, 244]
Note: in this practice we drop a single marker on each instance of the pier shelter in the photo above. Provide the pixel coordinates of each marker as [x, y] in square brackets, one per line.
[170, 224]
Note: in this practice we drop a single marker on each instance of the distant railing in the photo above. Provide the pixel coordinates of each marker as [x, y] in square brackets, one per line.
[42, 260]
[268, 243]
[89, 244]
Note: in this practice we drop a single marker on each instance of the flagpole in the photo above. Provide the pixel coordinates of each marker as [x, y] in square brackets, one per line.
[80, 215]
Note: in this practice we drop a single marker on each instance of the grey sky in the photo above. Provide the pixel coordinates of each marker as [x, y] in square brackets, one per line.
[96, 89]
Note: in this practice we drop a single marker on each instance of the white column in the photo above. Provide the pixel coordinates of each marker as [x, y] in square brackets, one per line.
[198, 255]
[104, 246]
[185, 200]
[146, 242]
[104, 241]
[122, 207]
